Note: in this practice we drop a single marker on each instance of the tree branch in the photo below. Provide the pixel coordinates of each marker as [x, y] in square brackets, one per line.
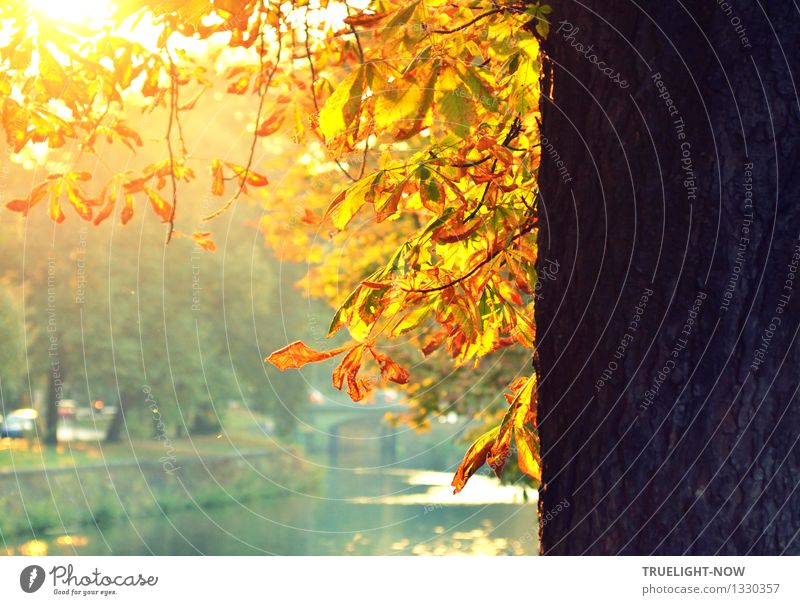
[527, 227]
[494, 11]
[513, 133]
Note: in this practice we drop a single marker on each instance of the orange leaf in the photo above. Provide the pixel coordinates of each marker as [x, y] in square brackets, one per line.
[105, 212]
[25, 204]
[298, 354]
[434, 342]
[19, 205]
[127, 210]
[218, 188]
[347, 371]
[310, 217]
[388, 207]
[474, 459]
[270, 125]
[519, 413]
[203, 239]
[390, 369]
[250, 177]
[75, 197]
[55, 211]
[162, 207]
[527, 458]
[362, 20]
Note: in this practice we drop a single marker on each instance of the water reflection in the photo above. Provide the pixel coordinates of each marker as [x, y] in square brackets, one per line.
[360, 512]
[439, 491]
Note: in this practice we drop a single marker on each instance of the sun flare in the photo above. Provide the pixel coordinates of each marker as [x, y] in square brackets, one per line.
[92, 13]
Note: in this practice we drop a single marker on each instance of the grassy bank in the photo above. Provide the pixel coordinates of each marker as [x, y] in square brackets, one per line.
[55, 489]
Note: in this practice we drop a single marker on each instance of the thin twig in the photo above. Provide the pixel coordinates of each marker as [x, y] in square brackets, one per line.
[472, 164]
[513, 133]
[468, 23]
[527, 227]
[361, 60]
[263, 87]
[314, 94]
[173, 80]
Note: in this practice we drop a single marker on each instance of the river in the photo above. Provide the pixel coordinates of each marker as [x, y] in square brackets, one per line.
[387, 510]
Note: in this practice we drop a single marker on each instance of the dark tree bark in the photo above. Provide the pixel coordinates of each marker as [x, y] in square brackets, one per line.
[668, 354]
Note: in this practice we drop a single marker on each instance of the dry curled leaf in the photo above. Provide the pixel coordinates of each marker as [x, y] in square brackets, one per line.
[390, 369]
[474, 459]
[298, 354]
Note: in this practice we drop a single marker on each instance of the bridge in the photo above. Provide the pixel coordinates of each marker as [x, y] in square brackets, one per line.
[323, 427]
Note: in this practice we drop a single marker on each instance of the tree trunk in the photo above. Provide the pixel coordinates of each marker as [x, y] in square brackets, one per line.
[54, 392]
[667, 343]
[114, 430]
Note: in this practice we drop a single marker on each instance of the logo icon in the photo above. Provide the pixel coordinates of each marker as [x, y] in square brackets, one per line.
[31, 578]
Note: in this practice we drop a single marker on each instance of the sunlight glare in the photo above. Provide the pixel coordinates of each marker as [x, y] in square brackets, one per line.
[92, 13]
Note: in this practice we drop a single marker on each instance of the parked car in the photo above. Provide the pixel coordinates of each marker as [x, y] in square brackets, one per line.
[18, 424]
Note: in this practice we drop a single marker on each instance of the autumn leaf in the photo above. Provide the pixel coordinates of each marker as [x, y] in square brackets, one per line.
[76, 198]
[520, 413]
[457, 108]
[54, 208]
[218, 186]
[298, 354]
[527, 454]
[162, 207]
[127, 210]
[388, 205]
[251, 178]
[390, 369]
[108, 208]
[310, 217]
[36, 195]
[346, 373]
[341, 108]
[347, 204]
[203, 239]
[270, 125]
[364, 19]
[474, 459]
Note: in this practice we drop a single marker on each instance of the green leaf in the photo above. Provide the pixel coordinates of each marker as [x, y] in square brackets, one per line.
[457, 109]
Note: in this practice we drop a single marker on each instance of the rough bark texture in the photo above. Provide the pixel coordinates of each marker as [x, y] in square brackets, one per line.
[660, 433]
